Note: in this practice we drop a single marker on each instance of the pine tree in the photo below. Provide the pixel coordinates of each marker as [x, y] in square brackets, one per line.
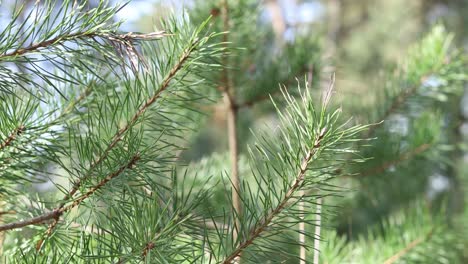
[105, 121]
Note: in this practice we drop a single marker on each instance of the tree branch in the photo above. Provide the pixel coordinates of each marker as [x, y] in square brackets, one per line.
[261, 227]
[46, 43]
[409, 247]
[12, 137]
[118, 136]
[57, 212]
[232, 110]
[398, 101]
[405, 156]
[83, 35]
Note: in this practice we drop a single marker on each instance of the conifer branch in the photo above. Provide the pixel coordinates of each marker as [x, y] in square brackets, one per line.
[59, 40]
[118, 136]
[403, 157]
[408, 248]
[56, 213]
[48, 43]
[7, 212]
[398, 102]
[262, 226]
[73, 104]
[9, 140]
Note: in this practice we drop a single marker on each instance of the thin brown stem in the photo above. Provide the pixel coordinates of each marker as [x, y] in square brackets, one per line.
[118, 136]
[7, 212]
[398, 102]
[233, 153]
[232, 109]
[403, 157]
[83, 35]
[262, 226]
[9, 140]
[46, 43]
[409, 247]
[60, 210]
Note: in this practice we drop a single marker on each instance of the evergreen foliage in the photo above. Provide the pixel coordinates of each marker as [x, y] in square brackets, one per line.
[103, 160]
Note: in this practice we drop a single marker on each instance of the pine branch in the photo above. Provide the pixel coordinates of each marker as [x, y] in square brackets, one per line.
[48, 43]
[44, 128]
[125, 39]
[74, 103]
[57, 212]
[120, 133]
[117, 137]
[9, 140]
[262, 226]
[402, 97]
[403, 157]
[408, 248]
[7, 212]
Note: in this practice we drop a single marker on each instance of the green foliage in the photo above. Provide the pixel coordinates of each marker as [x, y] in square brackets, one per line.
[414, 235]
[106, 122]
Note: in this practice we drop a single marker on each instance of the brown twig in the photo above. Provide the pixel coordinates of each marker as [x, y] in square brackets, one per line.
[232, 110]
[12, 137]
[144, 252]
[397, 102]
[82, 35]
[147, 248]
[118, 136]
[7, 212]
[405, 156]
[60, 210]
[261, 227]
[409, 247]
[46, 43]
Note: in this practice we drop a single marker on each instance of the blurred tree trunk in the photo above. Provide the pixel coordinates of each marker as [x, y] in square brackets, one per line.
[277, 19]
